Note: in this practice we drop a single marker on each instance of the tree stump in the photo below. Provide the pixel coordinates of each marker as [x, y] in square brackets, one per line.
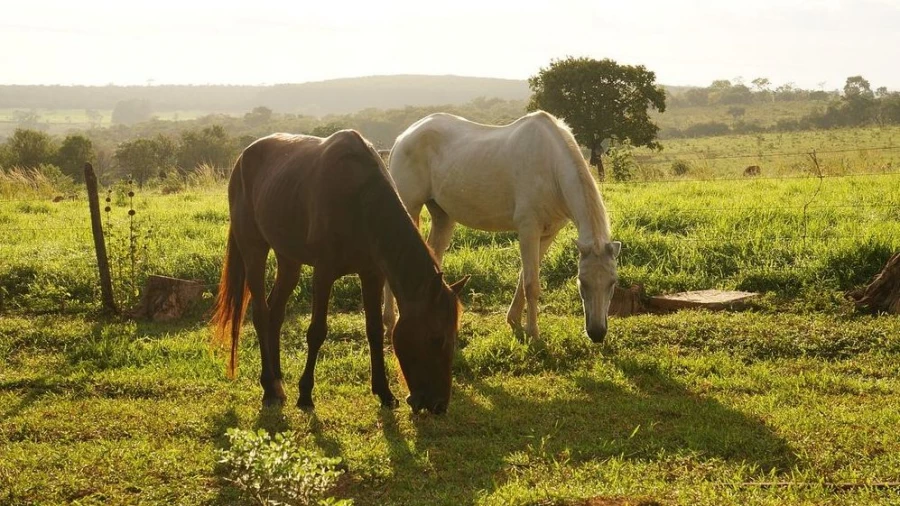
[166, 299]
[713, 300]
[883, 293]
[627, 301]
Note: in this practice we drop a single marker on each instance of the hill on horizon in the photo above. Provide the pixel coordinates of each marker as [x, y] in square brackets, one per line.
[336, 96]
[319, 98]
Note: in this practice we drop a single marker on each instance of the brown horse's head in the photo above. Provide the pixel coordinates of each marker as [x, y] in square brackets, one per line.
[424, 341]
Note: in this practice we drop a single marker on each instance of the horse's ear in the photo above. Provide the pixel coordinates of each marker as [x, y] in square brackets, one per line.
[459, 285]
[614, 248]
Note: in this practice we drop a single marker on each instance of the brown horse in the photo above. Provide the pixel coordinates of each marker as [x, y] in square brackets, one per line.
[331, 204]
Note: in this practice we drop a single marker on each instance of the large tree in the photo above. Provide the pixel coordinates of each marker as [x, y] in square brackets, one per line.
[29, 149]
[210, 146]
[140, 158]
[74, 152]
[600, 100]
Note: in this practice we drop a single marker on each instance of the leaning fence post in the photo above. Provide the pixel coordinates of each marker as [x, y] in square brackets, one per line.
[106, 292]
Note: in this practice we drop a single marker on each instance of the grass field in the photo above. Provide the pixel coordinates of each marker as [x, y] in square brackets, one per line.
[763, 114]
[842, 151]
[780, 404]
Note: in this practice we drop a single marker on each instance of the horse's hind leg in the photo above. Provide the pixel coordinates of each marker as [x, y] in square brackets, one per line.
[441, 230]
[372, 283]
[255, 266]
[286, 280]
[322, 281]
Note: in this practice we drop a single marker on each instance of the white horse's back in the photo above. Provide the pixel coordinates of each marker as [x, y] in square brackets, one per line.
[485, 177]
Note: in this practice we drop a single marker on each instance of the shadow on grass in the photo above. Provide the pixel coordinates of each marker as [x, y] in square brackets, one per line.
[29, 398]
[220, 423]
[469, 449]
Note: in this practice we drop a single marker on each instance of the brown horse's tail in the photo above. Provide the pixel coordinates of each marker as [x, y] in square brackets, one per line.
[231, 303]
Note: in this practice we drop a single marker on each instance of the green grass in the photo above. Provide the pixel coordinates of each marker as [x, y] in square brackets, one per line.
[740, 234]
[689, 408]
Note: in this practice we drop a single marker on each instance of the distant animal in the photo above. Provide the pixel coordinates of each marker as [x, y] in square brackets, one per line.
[752, 170]
[58, 198]
[330, 203]
[528, 176]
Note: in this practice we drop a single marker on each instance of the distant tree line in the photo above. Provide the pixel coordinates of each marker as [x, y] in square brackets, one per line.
[141, 158]
[856, 105]
[726, 92]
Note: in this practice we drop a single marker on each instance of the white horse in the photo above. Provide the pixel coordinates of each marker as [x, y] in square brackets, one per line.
[528, 176]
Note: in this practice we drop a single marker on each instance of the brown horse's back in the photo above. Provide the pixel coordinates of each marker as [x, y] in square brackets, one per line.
[294, 194]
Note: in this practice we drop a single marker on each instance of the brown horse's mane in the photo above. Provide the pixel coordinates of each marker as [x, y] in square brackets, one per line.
[393, 237]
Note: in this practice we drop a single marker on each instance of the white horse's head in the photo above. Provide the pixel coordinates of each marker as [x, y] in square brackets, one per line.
[596, 284]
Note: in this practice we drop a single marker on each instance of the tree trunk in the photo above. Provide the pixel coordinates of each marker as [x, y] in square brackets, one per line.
[883, 293]
[627, 301]
[601, 172]
[597, 161]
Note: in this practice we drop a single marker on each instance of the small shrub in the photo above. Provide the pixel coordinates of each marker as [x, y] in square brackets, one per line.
[34, 208]
[276, 471]
[171, 183]
[709, 129]
[621, 159]
[680, 168]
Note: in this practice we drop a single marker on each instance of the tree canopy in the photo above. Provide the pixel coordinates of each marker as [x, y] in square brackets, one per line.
[75, 150]
[600, 99]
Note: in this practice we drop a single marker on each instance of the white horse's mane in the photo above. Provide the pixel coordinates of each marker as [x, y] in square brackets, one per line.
[596, 208]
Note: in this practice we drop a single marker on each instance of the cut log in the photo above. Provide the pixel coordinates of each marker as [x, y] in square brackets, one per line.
[627, 301]
[715, 300]
[883, 293]
[166, 299]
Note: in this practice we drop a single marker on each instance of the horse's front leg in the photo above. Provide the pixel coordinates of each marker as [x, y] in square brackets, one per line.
[318, 329]
[372, 284]
[529, 247]
[514, 315]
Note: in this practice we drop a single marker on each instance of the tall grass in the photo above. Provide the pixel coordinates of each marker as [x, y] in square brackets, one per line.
[20, 183]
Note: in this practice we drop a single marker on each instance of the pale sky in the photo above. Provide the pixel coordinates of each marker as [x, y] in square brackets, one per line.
[807, 42]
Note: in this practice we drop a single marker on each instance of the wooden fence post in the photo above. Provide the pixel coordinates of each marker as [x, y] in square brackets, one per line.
[90, 179]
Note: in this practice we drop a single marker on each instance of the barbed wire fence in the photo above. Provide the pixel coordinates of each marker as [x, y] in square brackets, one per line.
[74, 240]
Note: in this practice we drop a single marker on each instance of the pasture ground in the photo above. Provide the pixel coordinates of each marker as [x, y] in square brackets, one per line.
[691, 408]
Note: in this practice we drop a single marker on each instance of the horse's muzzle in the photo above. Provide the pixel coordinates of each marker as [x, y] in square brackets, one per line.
[418, 402]
[597, 335]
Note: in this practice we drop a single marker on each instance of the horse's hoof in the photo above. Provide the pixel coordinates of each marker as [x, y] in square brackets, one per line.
[272, 402]
[390, 403]
[305, 404]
